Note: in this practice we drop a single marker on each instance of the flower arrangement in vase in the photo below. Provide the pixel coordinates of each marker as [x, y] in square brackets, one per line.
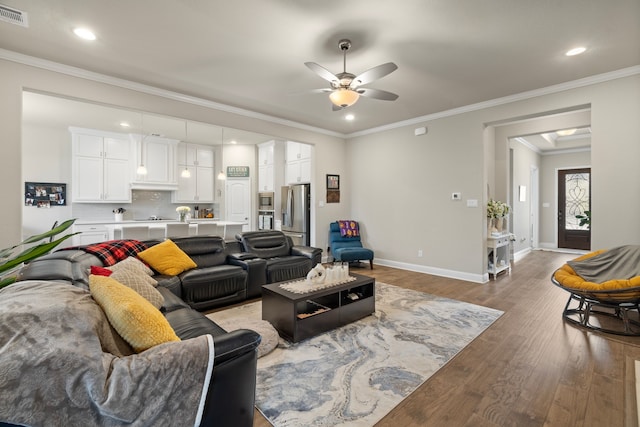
[496, 212]
[182, 212]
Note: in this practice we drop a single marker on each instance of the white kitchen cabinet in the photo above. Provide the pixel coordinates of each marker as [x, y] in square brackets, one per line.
[266, 153]
[158, 155]
[265, 166]
[198, 187]
[265, 178]
[271, 165]
[298, 163]
[89, 233]
[101, 167]
[298, 151]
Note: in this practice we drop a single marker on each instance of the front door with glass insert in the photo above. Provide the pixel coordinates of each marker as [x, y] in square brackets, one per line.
[574, 199]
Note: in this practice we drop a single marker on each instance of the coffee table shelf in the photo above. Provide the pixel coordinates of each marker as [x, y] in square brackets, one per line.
[300, 316]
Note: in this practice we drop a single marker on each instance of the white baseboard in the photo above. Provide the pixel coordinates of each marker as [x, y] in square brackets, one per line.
[521, 254]
[452, 274]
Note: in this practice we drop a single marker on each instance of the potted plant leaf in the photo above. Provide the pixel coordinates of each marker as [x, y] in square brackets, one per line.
[12, 258]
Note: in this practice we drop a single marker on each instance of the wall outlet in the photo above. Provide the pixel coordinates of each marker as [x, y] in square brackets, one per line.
[419, 252]
[456, 196]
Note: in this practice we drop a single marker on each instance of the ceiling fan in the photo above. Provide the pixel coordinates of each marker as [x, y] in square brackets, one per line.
[346, 87]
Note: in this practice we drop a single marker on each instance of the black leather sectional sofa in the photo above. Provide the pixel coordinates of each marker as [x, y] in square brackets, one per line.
[226, 273]
[231, 394]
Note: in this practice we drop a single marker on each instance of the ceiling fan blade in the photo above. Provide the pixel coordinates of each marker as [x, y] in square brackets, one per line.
[310, 91]
[321, 71]
[372, 74]
[335, 107]
[377, 94]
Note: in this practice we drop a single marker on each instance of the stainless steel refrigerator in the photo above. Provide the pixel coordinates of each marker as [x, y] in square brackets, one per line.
[296, 213]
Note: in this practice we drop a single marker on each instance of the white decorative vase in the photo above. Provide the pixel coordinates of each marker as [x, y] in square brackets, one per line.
[119, 217]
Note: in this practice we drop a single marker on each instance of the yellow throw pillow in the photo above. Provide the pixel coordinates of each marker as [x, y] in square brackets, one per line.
[133, 317]
[167, 258]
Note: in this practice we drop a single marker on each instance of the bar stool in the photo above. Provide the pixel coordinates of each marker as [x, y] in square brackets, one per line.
[177, 230]
[136, 232]
[208, 229]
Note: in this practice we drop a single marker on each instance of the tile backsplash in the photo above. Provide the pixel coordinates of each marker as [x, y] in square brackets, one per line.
[144, 204]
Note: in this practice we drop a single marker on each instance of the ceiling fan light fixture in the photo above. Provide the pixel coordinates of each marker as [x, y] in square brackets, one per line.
[344, 97]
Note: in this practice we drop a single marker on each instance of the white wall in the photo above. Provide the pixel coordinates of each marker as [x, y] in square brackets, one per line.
[401, 189]
[401, 184]
[49, 160]
[523, 159]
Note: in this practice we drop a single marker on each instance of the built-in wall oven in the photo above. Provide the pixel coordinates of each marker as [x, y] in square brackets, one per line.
[265, 220]
[266, 201]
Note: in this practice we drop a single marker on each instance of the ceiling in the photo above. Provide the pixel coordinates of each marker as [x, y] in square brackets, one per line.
[574, 139]
[61, 113]
[251, 54]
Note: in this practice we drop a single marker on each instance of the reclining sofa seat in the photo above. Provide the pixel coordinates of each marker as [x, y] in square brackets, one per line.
[215, 283]
[284, 261]
[231, 394]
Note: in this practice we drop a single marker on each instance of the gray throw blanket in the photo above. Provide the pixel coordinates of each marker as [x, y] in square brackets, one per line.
[61, 364]
[622, 263]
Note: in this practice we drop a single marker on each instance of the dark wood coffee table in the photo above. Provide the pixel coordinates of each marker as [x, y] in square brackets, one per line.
[300, 316]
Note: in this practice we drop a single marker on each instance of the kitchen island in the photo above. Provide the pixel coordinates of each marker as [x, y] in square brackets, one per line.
[97, 231]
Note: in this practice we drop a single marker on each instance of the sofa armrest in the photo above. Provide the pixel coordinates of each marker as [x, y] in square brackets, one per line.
[241, 256]
[234, 344]
[314, 254]
[256, 269]
[231, 394]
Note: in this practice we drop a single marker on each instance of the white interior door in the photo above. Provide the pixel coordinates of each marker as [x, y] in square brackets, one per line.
[238, 200]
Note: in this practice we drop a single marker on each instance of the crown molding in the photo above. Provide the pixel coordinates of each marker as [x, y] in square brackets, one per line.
[151, 90]
[599, 78]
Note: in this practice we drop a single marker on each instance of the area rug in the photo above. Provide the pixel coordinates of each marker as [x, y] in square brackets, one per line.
[356, 374]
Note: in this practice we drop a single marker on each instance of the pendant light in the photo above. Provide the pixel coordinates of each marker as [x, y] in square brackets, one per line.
[221, 175]
[185, 173]
[142, 170]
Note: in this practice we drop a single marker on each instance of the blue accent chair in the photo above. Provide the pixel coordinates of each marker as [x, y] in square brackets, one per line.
[347, 249]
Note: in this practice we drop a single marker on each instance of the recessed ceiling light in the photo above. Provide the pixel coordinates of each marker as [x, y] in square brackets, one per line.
[84, 33]
[576, 51]
[566, 132]
[233, 141]
[349, 117]
[125, 124]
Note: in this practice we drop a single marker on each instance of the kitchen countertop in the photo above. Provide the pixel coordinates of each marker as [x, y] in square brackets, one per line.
[159, 222]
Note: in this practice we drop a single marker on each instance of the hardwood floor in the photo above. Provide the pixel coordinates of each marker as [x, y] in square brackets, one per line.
[529, 368]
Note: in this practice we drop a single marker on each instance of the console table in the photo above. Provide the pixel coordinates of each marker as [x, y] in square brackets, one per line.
[499, 248]
[300, 316]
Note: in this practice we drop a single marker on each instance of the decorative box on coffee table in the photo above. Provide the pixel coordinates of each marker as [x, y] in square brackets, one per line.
[298, 316]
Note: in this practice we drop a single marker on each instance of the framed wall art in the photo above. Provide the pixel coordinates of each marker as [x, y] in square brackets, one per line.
[45, 194]
[333, 182]
[333, 188]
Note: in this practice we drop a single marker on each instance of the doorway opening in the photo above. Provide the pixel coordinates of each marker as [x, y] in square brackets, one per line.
[574, 209]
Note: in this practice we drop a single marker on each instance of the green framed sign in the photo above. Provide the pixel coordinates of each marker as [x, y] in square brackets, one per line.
[237, 171]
